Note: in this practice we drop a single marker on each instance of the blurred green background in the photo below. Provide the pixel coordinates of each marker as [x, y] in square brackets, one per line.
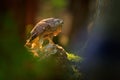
[17, 18]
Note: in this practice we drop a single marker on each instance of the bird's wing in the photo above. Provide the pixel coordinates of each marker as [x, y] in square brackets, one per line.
[38, 30]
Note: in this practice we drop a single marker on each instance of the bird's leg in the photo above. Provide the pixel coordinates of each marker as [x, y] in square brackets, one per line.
[41, 42]
[50, 41]
[50, 38]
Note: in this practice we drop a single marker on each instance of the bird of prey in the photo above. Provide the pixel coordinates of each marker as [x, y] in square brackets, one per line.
[46, 28]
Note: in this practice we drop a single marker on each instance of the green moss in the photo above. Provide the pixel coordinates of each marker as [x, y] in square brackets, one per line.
[73, 57]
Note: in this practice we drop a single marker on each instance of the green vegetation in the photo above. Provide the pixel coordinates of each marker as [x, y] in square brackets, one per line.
[73, 58]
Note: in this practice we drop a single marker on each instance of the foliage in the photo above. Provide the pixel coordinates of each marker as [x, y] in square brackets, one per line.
[73, 58]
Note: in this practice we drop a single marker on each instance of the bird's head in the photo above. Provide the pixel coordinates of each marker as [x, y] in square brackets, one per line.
[53, 22]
